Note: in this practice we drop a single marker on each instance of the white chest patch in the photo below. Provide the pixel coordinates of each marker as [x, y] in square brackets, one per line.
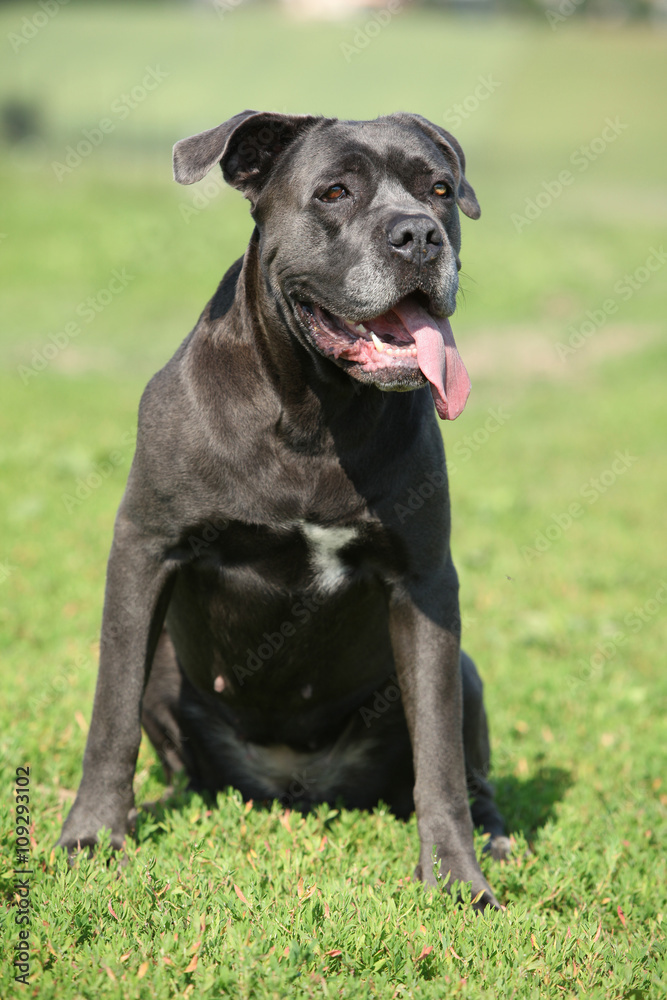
[325, 545]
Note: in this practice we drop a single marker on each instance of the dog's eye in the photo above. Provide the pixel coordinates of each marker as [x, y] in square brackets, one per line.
[441, 189]
[334, 193]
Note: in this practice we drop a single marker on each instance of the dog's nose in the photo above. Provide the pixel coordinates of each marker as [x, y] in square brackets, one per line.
[416, 238]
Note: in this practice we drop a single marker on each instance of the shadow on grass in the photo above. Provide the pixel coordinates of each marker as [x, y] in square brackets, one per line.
[528, 803]
[525, 803]
[148, 822]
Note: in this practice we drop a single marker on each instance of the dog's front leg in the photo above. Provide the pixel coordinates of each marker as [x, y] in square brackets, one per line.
[425, 633]
[137, 593]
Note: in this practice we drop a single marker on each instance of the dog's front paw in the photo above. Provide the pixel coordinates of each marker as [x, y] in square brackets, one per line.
[76, 841]
[480, 891]
[82, 828]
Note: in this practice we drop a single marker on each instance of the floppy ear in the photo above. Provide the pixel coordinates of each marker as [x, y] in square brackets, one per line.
[246, 147]
[194, 157]
[466, 198]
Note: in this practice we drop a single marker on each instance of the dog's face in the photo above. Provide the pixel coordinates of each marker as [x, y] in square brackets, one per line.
[359, 237]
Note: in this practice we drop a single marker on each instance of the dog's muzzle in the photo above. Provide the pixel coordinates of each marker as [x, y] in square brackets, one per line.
[404, 339]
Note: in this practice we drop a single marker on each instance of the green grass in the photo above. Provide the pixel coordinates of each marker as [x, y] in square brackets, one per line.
[570, 640]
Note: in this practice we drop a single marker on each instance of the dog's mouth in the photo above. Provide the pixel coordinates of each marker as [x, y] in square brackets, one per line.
[405, 339]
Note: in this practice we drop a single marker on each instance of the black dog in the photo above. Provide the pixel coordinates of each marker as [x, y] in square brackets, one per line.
[265, 521]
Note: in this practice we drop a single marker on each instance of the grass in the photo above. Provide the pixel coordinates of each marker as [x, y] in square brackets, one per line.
[566, 620]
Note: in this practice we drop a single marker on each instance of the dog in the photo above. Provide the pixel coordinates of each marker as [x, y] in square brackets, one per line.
[276, 613]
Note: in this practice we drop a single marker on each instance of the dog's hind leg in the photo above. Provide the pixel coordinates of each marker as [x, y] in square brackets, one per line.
[477, 759]
[159, 709]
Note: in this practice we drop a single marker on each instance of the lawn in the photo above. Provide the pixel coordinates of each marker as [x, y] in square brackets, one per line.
[558, 480]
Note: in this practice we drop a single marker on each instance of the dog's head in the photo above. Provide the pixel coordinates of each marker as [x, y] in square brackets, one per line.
[359, 236]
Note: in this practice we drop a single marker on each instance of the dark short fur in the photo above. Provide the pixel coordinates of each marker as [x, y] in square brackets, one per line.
[267, 596]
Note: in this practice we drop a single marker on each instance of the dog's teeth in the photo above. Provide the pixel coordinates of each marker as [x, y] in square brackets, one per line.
[360, 328]
[379, 346]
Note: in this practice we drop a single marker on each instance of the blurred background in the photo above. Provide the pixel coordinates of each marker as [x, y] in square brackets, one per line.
[106, 264]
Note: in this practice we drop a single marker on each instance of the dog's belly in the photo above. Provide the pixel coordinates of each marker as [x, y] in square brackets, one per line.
[283, 647]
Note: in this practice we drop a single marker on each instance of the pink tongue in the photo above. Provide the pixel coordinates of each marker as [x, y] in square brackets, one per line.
[438, 358]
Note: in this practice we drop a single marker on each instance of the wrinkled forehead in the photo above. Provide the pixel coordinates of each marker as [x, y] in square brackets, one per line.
[380, 149]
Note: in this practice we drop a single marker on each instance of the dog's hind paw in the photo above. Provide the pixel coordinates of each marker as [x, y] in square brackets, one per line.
[500, 848]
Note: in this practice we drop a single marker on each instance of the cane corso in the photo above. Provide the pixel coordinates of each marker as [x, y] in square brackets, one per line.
[280, 614]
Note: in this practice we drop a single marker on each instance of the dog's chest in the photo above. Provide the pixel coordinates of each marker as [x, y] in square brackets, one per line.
[325, 546]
